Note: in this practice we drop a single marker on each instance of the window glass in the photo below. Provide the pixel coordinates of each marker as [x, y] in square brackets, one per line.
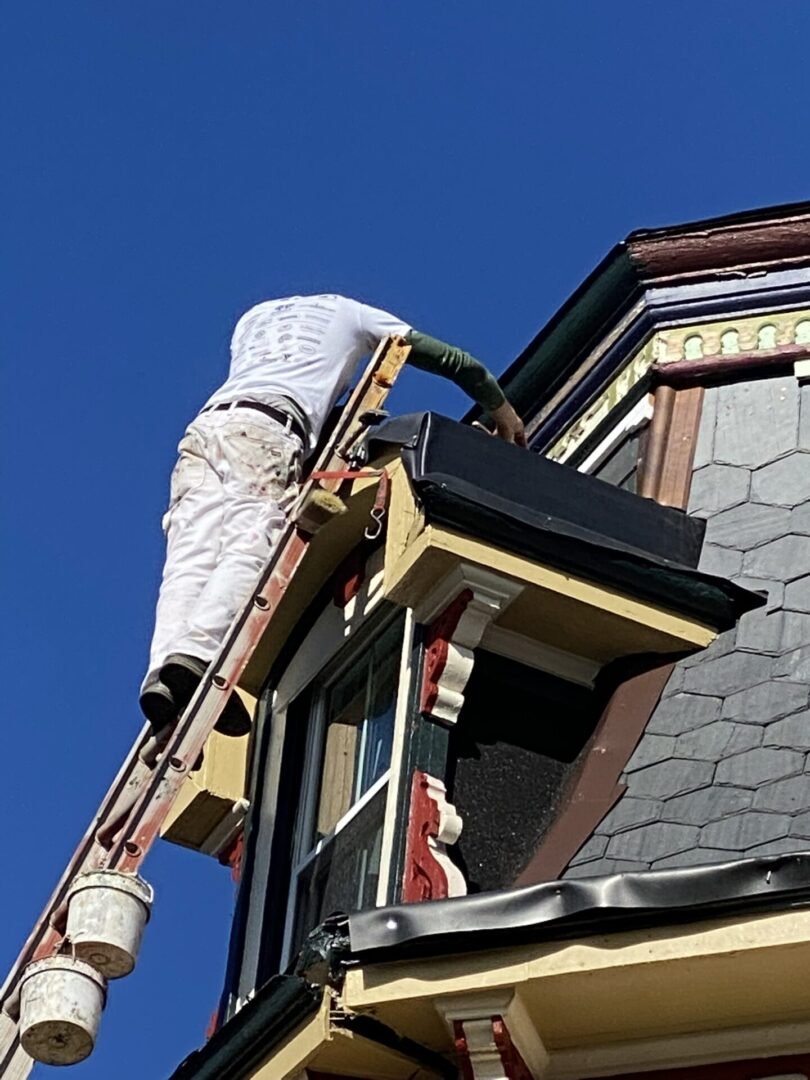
[336, 866]
[358, 727]
[622, 464]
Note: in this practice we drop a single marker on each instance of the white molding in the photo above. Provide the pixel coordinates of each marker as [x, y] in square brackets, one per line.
[680, 1051]
[472, 1009]
[801, 369]
[222, 834]
[490, 584]
[492, 593]
[537, 654]
[639, 415]
[401, 717]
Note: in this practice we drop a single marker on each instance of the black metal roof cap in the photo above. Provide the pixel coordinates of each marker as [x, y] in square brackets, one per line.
[520, 501]
[576, 908]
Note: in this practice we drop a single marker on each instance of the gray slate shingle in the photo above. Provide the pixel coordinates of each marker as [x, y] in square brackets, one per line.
[744, 830]
[784, 796]
[629, 813]
[672, 777]
[718, 487]
[785, 482]
[708, 804]
[684, 712]
[653, 841]
[740, 409]
[797, 594]
[727, 674]
[793, 731]
[755, 767]
[783, 560]
[720, 739]
[747, 526]
[765, 702]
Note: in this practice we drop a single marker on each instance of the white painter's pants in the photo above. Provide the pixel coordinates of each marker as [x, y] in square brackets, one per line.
[234, 482]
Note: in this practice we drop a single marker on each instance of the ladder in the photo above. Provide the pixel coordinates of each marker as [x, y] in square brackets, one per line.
[130, 816]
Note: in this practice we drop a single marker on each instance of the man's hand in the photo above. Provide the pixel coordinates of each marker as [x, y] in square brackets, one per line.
[508, 425]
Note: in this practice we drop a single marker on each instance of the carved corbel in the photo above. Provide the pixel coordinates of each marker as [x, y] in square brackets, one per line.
[472, 600]
[430, 873]
[494, 1037]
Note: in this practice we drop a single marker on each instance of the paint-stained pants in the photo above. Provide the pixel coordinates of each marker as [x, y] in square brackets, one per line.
[231, 489]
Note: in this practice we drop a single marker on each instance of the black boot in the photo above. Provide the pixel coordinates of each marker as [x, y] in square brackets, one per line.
[182, 675]
[158, 706]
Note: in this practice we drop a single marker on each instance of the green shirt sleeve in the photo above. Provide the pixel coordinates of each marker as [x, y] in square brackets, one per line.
[439, 358]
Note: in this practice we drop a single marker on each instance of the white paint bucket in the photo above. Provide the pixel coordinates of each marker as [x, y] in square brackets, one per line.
[107, 913]
[61, 1000]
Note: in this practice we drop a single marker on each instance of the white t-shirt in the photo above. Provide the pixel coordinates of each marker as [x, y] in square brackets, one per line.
[306, 348]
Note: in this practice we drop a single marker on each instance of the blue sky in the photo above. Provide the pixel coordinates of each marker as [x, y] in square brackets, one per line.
[167, 164]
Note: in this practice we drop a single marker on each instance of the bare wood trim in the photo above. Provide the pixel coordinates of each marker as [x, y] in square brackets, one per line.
[682, 373]
[675, 475]
[596, 788]
[657, 439]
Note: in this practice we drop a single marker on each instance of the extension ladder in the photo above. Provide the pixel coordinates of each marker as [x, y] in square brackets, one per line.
[130, 816]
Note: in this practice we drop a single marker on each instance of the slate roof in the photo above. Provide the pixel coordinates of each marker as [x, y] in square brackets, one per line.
[723, 769]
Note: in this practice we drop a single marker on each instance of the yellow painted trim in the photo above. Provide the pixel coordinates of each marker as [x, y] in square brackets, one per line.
[405, 584]
[299, 1050]
[207, 797]
[640, 984]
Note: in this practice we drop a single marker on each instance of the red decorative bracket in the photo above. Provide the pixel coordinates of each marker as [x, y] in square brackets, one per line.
[437, 648]
[430, 873]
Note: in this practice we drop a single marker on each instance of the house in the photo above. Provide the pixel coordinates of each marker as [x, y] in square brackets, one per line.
[528, 793]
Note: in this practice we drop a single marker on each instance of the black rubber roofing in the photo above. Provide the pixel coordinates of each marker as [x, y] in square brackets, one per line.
[573, 909]
[481, 486]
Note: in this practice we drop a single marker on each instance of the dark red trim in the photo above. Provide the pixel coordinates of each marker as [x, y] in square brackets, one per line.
[424, 878]
[682, 373]
[515, 1067]
[437, 643]
[233, 854]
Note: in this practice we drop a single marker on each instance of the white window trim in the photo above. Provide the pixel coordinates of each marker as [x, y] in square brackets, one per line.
[314, 762]
[639, 415]
[332, 629]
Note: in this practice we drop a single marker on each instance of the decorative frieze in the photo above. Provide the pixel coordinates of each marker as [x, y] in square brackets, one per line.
[727, 337]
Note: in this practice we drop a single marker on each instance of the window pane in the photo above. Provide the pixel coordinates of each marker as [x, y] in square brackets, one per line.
[358, 717]
[375, 749]
[344, 876]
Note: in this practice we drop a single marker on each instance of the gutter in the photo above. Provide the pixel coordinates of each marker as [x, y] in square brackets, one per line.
[248, 1039]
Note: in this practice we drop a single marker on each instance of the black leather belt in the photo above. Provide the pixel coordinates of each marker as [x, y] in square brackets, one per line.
[283, 418]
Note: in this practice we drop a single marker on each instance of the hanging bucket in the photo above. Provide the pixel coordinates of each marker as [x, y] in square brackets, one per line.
[107, 912]
[61, 1000]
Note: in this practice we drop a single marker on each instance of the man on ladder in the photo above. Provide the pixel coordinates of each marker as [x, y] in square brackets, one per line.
[239, 465]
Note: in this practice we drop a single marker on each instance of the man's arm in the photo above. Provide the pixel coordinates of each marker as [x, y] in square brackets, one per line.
[439, 358]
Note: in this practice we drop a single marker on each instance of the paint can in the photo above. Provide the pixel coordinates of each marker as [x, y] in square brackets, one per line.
[61, 1000]
[107, 913]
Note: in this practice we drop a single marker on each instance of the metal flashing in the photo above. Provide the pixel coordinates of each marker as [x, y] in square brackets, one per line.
[573, 908]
